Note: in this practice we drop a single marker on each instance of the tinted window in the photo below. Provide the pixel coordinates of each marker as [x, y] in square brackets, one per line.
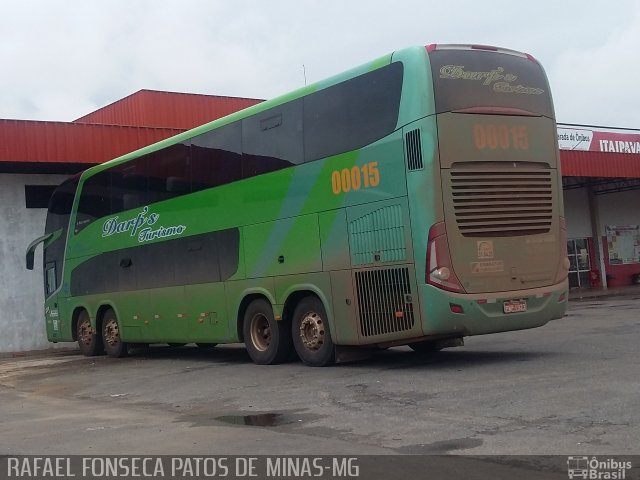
[168, 172]
[216, 157]
[58, 216]
[151, 178]
[352, 114]
[95, 199]
[60, 206]
[206, 258]
[272, 140]
[130, 184]
[476, 78]
[334, 120]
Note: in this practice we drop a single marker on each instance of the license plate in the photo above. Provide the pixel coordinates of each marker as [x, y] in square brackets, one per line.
[515, 306]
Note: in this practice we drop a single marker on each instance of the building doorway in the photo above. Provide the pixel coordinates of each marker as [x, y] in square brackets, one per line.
[579, 262]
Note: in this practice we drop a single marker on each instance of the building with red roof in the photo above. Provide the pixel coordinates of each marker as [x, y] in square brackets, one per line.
[36, 156]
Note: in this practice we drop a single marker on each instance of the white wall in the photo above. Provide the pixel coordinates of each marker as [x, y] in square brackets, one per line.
[619, 209]
[21, 296]
[576, 213]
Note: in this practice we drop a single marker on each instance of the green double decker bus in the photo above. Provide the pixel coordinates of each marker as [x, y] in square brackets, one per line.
[414, 200]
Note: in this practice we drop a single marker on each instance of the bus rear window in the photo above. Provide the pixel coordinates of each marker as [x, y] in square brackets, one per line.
[464, 79]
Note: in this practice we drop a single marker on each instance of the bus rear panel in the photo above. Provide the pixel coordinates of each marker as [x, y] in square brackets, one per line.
[496, 256]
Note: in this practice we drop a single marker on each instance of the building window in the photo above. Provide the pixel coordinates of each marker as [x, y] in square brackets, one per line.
[580, 263]
[37, 196]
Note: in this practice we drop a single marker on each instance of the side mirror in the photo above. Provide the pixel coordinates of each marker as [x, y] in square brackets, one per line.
[30, 258]
[32, 248]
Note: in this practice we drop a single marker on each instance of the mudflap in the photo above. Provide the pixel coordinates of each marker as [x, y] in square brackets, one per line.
[346, 353]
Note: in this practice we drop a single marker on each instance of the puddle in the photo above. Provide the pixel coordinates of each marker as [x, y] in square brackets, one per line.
[290, 419]
[258, 420]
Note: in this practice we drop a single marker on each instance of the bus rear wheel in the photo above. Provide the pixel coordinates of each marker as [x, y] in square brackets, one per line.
[89, 342]
[311, 334]
[268, 341]
[113, 344]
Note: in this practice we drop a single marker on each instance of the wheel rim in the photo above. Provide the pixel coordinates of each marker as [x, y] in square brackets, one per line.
[260, 332]
[312, 331]
[85, 333]
[111, 332]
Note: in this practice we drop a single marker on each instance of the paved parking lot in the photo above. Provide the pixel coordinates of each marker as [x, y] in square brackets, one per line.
[568, 388]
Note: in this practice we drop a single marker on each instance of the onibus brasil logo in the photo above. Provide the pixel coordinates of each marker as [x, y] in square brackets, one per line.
[595, 468]
[142, 226]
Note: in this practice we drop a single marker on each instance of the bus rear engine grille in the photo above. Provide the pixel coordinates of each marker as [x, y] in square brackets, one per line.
[384, 301]
[502, 203]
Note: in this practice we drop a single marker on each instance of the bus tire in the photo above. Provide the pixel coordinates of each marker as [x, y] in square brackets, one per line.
[311, 334]
[89, 342]
[268, 341]
[113, 344]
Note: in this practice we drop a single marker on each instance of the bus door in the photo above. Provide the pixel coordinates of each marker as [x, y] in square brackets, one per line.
[163, 306]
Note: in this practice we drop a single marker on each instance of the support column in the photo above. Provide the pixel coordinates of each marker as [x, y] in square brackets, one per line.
[596, 232]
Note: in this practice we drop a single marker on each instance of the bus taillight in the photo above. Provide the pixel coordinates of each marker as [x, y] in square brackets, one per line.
[439, 267]
[563, 237]
[563, 270]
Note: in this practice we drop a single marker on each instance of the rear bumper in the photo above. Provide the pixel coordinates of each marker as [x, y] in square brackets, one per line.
[483, 313]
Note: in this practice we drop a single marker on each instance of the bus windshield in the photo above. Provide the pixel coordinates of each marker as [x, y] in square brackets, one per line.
[58, 214]
[468, 78]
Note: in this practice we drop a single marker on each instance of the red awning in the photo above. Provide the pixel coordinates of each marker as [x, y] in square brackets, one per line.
[579, 163]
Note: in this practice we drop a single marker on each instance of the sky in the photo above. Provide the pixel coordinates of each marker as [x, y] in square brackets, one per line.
[63, 59]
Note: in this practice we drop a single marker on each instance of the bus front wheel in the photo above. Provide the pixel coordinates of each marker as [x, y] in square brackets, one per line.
[311, 334]
[268, 341]
[89, 342]
[113, 344]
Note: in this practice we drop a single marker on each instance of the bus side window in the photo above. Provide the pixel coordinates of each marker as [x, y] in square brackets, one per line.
[50, 278]
[168, 172]
[216, 157]
[129, 184]
[352, 114]
[272, 140]
[95, 199]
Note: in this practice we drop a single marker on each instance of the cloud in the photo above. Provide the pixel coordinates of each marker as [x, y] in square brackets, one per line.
[62, 60]
[598, 84]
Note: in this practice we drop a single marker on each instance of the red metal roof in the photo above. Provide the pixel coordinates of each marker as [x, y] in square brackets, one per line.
[149, 116]
[60, 142]
[151, 108]
[577, 163]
